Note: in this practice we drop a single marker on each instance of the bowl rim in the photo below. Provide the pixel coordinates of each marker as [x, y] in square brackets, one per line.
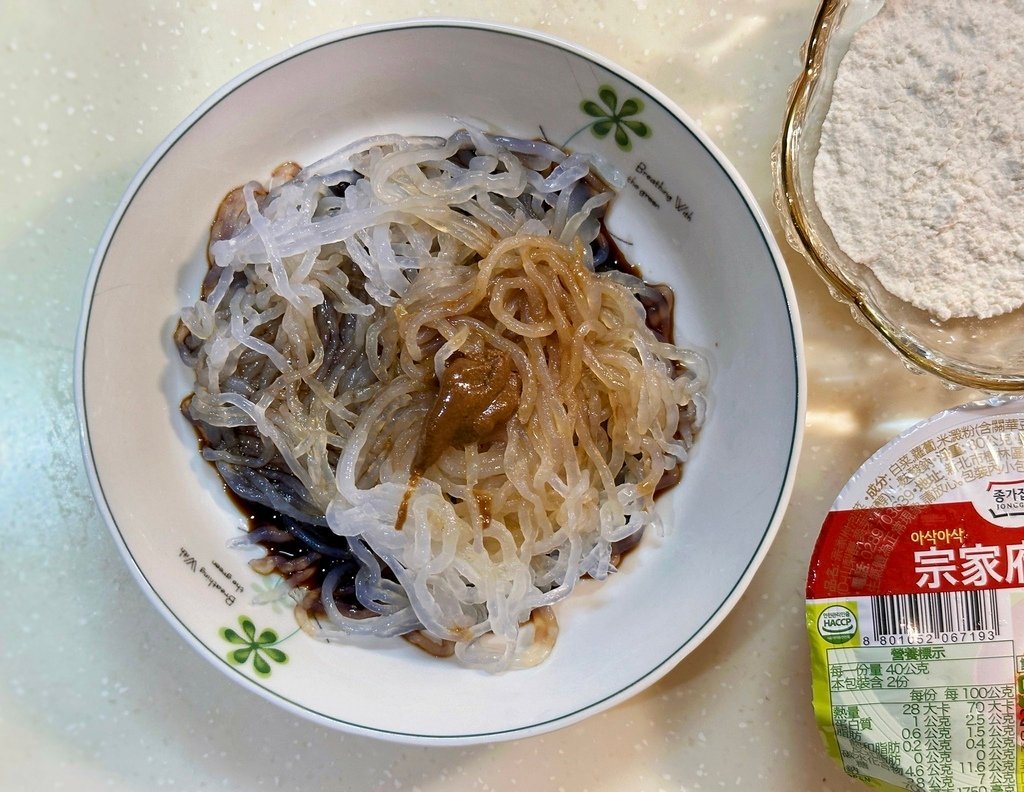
[791, 206]
[604, 700]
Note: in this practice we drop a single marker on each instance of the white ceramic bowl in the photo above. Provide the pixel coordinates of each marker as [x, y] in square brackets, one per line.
[691, 223]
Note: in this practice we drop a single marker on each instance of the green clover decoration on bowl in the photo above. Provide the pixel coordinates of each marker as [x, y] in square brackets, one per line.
[260, 648]
[609, 115]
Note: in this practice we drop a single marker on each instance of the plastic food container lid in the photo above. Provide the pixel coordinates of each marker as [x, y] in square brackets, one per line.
[915, 608]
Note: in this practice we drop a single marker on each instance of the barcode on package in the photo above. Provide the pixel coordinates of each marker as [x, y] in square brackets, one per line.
[935, 616]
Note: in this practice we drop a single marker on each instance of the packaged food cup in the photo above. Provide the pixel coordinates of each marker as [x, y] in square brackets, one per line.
[915, 607]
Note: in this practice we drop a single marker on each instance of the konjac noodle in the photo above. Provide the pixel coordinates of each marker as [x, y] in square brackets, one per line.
[413, 354]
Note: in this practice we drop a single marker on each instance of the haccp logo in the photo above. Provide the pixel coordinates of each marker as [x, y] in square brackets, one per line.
[837, 624]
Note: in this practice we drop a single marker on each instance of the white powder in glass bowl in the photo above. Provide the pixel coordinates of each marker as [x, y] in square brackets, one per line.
[920, 171]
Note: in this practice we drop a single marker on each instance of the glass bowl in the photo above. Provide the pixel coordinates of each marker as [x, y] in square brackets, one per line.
[981, 353]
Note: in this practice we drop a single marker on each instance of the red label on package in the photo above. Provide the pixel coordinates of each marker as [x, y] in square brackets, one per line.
[913, 549]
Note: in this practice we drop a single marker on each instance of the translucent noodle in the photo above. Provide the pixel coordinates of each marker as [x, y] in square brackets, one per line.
[407, 352]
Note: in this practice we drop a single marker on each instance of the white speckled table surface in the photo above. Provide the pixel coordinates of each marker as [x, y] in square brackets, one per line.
[98, 692]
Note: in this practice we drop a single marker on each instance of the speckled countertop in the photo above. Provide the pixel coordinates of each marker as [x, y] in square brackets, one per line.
[98, 691]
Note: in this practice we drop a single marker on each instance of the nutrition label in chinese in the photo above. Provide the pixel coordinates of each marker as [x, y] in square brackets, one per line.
[927, 718]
